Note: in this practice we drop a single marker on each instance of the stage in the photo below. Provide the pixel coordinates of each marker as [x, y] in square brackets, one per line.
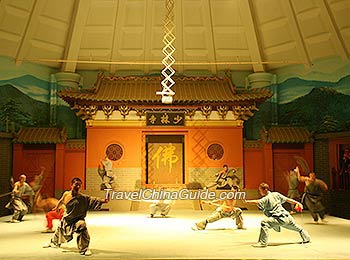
[133, 235]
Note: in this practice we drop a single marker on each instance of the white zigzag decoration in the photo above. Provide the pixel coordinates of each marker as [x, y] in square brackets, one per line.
[168, 51]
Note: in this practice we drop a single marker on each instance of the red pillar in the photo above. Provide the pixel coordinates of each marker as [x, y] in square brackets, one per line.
[59, 167]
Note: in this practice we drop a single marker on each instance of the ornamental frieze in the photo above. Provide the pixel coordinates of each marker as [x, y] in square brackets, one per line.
[108, 110]
[206, 111]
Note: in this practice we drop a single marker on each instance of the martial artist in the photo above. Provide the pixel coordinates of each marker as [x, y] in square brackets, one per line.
[314, 189]
[226, 209]
[20, 192]
[277, 216]
[77, 205]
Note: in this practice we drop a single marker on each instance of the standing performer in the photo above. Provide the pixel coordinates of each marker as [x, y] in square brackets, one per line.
[293, 182]
[226, 209]
[21, 191]
[314, 189]
[105, 170]
[77, 205]
[36, 184]
[277, 216]
[160, 205]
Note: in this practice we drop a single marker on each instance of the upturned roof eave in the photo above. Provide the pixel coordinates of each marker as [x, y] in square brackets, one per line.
[71, 101]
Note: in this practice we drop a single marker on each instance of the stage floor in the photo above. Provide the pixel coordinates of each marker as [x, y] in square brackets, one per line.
[133, 235]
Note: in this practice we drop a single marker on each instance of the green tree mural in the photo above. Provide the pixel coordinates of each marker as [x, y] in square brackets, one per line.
[11, 116]
[329, 124]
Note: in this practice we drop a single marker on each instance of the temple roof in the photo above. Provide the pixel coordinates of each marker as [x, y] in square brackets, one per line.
[142, 91]
[41, 135]
[287, 135]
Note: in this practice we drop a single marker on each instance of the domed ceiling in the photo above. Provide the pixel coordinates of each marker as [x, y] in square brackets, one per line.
[211, 35]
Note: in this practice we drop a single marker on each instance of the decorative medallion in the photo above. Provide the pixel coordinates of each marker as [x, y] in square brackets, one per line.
[114, 152]
[215, 151]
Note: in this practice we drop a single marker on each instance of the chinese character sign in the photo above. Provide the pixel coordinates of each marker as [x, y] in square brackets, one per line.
[165, 118]
[166, 155]
[165, 162]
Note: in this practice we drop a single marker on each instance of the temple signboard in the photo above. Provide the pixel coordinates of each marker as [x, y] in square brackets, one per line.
[165, 118]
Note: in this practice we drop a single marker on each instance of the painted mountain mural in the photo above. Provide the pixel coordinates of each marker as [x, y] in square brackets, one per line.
[324, 109]
[31, 86]
[294, 88]
[19, 110]
[317, 105]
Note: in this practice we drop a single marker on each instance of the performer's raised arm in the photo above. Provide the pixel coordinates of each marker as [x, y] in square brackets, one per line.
[300, 178]
[322, 184]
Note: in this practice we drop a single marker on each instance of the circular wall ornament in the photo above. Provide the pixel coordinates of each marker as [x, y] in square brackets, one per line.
[215, 151]
[114, 152]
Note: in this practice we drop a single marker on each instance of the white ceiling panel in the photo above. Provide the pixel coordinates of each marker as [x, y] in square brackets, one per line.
[121, 33]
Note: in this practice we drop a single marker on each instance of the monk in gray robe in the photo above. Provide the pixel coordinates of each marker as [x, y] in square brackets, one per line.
[21, 191]
[105, 170]
[314, 189]
[276, 215]
[73, 220]
[293, 182]
[293, 192]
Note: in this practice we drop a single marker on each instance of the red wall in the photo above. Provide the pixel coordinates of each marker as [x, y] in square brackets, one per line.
[230, 139]
[74, 166]
[29, 159]
[197, 140]
[254, 172]
[259, 164]
[99, 138]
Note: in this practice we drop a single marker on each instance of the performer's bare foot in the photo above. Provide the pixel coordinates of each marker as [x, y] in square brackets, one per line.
[86, 252]
[50, 244]
[259, 245]
[196, 227]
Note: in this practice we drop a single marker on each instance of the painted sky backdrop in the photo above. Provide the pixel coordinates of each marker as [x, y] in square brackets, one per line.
[294, 88]
[31, 86]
